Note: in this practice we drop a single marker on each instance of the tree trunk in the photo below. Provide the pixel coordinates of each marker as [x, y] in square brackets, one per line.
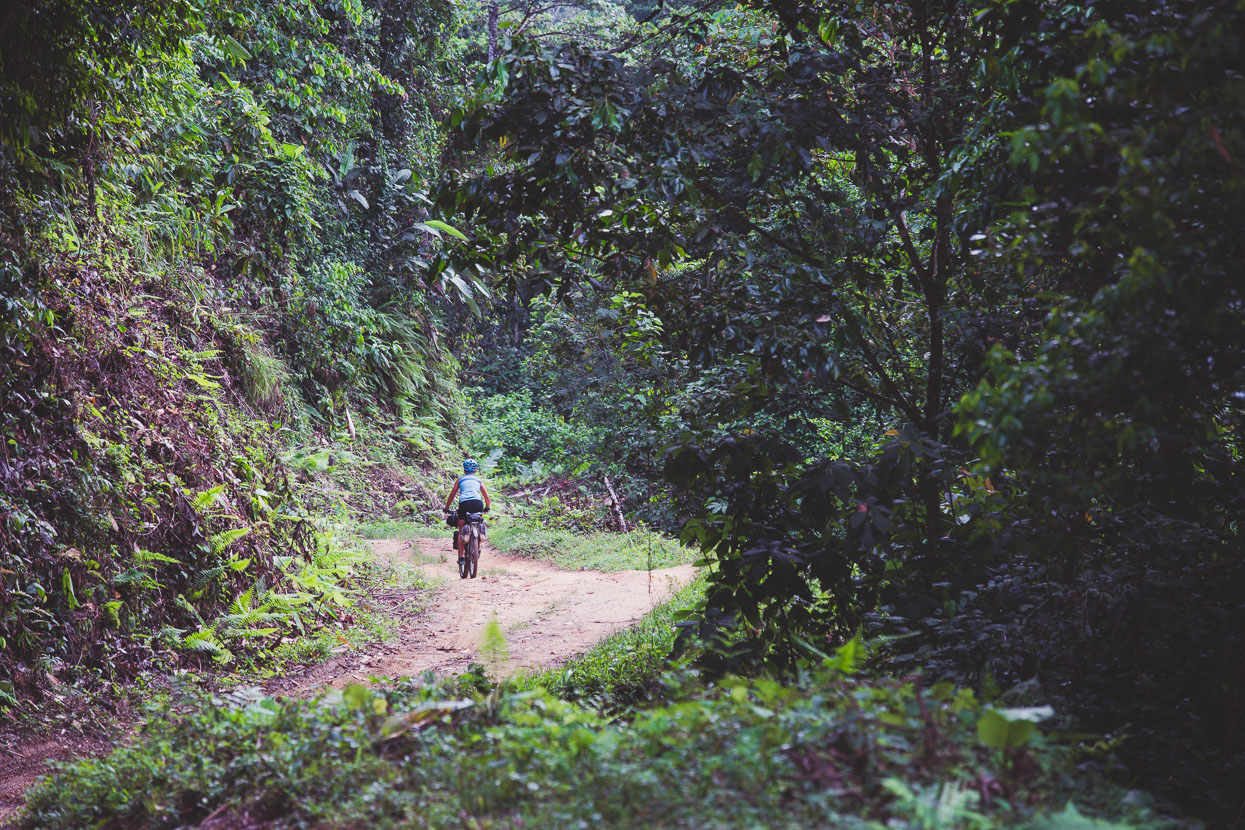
[616, 504]
[494, 12]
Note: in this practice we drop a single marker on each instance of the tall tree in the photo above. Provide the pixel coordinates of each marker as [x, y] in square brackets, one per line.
[812, 168]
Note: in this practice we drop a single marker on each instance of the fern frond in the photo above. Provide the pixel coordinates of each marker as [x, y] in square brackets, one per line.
[150, 556]
[208, 576]
[242, 633]
[204, 500]
[244, 602]
[203, 640]
[222, 540]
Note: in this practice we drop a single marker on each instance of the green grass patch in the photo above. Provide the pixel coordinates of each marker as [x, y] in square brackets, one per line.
[399, 529]
[600, 551]
[829, 751]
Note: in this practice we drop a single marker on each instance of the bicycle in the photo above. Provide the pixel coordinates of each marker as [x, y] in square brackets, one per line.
[470, 561]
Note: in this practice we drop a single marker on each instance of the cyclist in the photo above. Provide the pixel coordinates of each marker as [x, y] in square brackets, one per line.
[472, 498]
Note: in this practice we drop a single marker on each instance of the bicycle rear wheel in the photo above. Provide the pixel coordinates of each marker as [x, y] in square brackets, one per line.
[473, 551]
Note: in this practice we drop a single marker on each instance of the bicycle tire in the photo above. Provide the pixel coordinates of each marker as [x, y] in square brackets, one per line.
[473, 551]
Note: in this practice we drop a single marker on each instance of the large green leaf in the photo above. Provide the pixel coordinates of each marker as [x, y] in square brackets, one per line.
[438, 225]
[1010, 728]
[236, 50]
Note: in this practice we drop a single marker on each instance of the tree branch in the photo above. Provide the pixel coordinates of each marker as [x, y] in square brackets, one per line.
[918, 266]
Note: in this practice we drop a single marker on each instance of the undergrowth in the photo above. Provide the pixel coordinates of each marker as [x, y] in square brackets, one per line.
[187, 288]
[360, 620]
[145, 520]
[387, 471]
[830, 750]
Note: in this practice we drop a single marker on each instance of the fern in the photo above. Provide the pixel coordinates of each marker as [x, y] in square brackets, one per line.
[141, 579]
[202, 501]
[227, 625]
[401, 365]
[243, 633]
[203, 640]
[208, 577]
[147, 557]
[243, 602]
[222, 540]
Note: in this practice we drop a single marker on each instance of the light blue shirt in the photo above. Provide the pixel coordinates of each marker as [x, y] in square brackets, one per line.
[470, 487]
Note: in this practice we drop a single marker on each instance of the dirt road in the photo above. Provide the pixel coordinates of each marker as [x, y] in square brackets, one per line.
[547, 615]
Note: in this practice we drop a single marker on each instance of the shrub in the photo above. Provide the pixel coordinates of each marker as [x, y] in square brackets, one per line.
[832, 751]
[524, 431]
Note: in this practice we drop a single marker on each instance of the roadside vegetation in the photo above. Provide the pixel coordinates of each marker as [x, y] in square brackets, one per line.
[825, 751]
[360, 620]
[194, 370]
[626, 668]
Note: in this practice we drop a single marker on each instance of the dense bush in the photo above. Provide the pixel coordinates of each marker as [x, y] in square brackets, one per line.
[999, 234]
[524, 432]
[830, 752]
[212, 232]
[141, 494]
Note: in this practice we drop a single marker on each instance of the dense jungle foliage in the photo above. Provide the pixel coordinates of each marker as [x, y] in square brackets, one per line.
[211, 255]
[929, 310]
[917, 316]
[827, 751]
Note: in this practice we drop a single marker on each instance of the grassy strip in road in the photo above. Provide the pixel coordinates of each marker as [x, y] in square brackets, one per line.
[402, 529]
[641, 549]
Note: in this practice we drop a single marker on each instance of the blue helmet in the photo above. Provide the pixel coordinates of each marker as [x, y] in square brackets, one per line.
[470, 465]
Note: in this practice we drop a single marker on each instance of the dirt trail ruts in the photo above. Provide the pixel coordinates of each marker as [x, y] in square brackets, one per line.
[23, 762]
[548, 615]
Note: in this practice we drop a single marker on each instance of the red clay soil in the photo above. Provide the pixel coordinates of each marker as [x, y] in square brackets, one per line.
[23, 761]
